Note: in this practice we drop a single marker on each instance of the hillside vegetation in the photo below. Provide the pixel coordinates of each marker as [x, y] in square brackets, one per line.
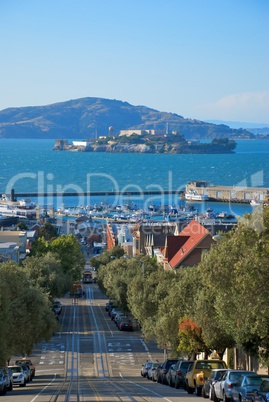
[91, 117]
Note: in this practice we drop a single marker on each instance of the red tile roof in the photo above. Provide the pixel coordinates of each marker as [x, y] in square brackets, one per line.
[178, 247]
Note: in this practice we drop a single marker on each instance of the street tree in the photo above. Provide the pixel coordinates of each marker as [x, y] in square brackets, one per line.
[45, 272]
[25, 316]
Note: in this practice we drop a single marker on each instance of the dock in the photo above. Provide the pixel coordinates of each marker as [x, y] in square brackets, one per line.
[231, 194]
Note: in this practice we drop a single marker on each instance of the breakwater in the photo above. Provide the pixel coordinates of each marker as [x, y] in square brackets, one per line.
[231, 194]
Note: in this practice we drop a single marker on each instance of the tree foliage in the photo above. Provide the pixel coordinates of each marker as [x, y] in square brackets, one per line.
[226, 296]
[45, 272]
[25, 316]
[68, 251]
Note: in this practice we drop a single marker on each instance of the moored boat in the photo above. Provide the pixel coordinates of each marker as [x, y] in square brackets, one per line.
[192, 195]
[24, 208]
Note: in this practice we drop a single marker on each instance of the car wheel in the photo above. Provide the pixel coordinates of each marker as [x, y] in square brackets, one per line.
[189, 389]
[10, 388]
[176, 384]
[23, 385]
[159, 380]
[225, 399]
[216, 399]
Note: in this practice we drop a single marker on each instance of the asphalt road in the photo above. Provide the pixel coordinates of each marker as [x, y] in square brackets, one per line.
[90, 360]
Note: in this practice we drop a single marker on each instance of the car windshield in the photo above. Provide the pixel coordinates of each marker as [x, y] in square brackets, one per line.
[234, 376]
[16, 369]
[219, 374]
[22, 362]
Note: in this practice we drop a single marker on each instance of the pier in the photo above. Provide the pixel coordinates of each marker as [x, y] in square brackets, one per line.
[231, 194]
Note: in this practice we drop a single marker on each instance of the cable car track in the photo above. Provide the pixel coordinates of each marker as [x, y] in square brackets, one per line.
[101, 385]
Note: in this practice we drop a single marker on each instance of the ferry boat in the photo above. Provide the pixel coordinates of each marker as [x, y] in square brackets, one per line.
[192, 195]
[24, 208]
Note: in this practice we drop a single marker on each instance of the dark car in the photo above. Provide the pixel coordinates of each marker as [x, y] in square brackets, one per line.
[262, 394]
[3, 388]
[246, 387]
[57, 307]
[178, 373]
[164, 370]
[208, 388]
[8, 378]
[125, 324]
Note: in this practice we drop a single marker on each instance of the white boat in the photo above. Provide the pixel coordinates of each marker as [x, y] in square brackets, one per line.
[192, 195]
[255, 203]
[24, 208]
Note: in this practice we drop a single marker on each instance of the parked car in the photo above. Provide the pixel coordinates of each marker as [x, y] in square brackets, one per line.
[168, 376]
[178, 373]
[208, 388]
[57, 307]
[3, 388]
[118, 316]
[113, 313]
[263, 393]
[164, 370]
[110, 304]
[246, 387]
[145, 368]
[125, 324]
[8, 378]
[223, 388]
[27, 361]
[196, 374]
[18, 375]
[27, 371]
[151, 370]
[155, 373]
[111, 308]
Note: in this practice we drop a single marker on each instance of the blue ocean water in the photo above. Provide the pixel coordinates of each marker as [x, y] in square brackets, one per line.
[32, 166]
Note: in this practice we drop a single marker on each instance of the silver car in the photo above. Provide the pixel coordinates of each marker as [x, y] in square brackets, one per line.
[223, 388]
[18, 375]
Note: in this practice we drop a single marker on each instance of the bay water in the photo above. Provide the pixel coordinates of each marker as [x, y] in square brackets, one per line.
[28, 165]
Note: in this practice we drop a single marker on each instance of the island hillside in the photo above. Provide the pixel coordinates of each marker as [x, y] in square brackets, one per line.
[95, 117]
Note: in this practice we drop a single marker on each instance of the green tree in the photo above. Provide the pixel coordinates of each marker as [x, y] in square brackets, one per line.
[48, 231]
[25, 316]
[46, 273]
[235, 274]
[70, 254]
[68, 251]
[20, 226]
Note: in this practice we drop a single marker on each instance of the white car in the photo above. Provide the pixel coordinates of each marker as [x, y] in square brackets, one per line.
[18, 375]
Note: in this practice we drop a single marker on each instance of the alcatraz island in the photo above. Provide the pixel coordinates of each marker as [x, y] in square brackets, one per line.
[147, 141]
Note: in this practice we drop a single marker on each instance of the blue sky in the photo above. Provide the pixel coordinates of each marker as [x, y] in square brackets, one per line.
[204, 59]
